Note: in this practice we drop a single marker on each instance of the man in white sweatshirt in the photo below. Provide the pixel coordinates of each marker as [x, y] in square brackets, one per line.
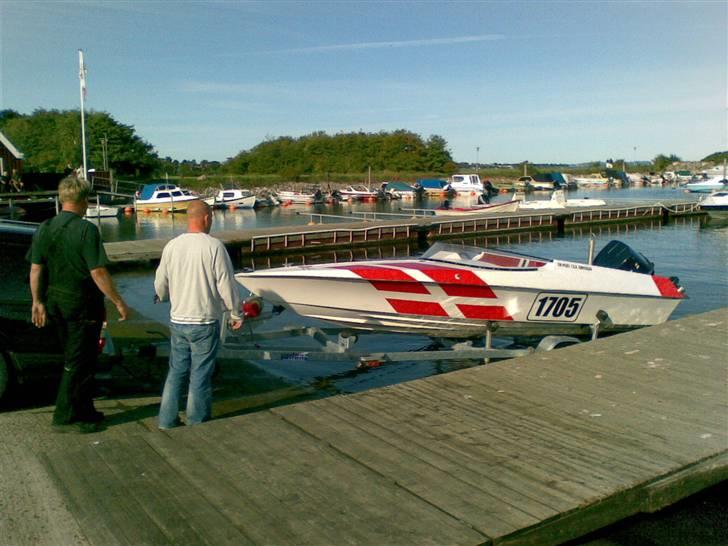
[196, 275]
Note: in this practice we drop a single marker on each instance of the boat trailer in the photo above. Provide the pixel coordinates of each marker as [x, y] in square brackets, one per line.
[337, 345]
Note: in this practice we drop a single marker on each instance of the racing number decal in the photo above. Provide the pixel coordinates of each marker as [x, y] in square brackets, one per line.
[557, 307]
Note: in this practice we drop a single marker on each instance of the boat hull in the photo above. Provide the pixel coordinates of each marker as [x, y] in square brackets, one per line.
[178, 205]
[508, 206]
[416, 296]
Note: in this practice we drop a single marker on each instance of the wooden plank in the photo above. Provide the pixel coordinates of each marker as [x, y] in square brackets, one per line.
[166, 496]
[469, 498]
[102, 505]
[324, 481]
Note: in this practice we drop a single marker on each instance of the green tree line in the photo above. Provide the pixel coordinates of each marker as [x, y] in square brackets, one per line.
[51, 142]
[344, 153]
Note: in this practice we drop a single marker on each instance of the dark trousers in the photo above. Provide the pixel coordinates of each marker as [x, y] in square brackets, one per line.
[80, 338]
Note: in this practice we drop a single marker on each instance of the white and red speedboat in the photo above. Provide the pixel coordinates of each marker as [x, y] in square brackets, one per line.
[460, 292]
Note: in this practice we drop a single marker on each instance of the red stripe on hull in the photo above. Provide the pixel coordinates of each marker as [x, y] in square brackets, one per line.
[388, 279]
[485, 312]
[411, 307]
[454, 282]
[667, 288]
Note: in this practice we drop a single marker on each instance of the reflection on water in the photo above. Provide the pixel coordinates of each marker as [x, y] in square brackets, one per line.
[160, 225]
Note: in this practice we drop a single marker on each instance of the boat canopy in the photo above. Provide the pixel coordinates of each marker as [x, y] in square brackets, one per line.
[399, 186]
[432, 183]
[149, 189]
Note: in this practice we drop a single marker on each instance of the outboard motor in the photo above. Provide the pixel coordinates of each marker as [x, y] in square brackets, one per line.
[617, 255]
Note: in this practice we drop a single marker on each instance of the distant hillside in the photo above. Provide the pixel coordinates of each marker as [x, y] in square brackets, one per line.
[717, 157]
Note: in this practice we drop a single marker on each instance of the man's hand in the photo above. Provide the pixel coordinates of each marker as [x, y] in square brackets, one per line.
[123, 309]
[236, 324]
[39, 316]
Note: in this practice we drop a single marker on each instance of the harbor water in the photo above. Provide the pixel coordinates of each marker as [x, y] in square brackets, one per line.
[694, 249]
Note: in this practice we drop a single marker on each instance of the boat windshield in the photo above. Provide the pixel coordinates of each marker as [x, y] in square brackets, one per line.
[480, 257]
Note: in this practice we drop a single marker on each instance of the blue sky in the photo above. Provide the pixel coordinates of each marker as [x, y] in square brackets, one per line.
[540, 81]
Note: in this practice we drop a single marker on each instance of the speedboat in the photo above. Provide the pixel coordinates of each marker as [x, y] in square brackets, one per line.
[710, 185]
[506, 206]
[358, 192]
[242, 199]
[715, 204]
[163, 198]
[456, 291]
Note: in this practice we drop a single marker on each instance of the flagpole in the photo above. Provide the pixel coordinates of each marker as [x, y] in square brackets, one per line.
[82, 88]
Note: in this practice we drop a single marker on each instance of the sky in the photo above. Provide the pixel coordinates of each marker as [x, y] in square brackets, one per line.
[539, 81]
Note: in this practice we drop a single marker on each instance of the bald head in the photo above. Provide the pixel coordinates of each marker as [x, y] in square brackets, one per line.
[199, 217]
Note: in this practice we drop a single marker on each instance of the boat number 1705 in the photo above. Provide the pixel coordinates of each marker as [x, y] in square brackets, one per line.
[557, 307]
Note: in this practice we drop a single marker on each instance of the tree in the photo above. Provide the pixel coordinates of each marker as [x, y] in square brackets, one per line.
[662, 161]
[51, 142]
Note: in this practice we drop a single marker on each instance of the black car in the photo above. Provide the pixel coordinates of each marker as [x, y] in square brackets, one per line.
[26, 352]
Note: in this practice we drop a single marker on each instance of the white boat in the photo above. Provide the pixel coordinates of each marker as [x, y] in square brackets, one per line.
[358, 192]
[163, 198]
[466, 183]
[558, 201]
[710, 185]
[102, 211]
[235, 198]
[461, 292]
[300, 198]
[506, 206]
[591, 180]
[715, 204]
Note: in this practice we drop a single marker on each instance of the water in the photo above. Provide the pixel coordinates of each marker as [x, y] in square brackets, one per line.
[158, 225]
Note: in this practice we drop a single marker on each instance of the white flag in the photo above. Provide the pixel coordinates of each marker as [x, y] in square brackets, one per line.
[82, 72]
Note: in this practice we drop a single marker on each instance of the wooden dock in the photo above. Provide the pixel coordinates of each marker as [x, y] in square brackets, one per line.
[332, 235]
[536, 450]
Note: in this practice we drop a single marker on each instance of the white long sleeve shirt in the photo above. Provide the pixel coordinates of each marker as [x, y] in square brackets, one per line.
[196, 275]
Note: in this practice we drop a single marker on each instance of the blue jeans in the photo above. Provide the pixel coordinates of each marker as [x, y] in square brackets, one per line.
[192, 356]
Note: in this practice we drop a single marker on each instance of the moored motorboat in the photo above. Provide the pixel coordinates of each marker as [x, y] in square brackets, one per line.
[401, 190]
[101, 211]
[358, 192]
[300, 198]
[506, 206]
[466, 183]
[715, 204]
[558, 201]
[163, 198]
[461, 292]
[234, 198]
[593, 180]
[710, 185]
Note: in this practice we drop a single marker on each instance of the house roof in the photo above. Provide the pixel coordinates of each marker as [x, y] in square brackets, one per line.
[9, 145]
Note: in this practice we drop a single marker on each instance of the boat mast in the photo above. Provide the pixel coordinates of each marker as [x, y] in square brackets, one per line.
[82, 91]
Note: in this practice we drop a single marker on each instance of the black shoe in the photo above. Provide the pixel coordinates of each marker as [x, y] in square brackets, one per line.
[83, 427]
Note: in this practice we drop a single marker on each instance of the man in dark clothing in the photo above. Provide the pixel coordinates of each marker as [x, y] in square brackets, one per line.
[68, 281]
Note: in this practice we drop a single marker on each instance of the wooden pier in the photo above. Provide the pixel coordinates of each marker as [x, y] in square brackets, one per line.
[333, 235]
[536, 450]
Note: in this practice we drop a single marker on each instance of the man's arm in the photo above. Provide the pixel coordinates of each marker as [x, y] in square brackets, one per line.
[39, 315]
[103, 280]
[161, 280]
[227, 287]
